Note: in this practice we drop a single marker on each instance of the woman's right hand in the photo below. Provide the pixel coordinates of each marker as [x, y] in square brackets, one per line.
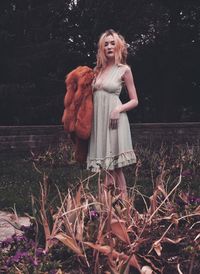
[114, 118]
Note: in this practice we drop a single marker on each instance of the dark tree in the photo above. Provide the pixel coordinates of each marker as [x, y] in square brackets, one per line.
[41, 41]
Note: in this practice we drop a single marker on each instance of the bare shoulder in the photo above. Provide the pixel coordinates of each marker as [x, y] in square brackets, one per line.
[125, 70]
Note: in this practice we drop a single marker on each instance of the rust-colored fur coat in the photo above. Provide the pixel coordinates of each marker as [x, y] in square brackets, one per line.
[78, 112]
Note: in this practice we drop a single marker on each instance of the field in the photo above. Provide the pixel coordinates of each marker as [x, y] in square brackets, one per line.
[156, 229]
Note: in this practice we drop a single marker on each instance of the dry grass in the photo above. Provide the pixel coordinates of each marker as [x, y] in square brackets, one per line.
[109, 235]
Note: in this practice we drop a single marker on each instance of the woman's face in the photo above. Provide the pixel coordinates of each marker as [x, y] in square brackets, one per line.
[109, 47]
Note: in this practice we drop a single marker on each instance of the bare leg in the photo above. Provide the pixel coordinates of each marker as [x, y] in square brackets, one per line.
[121, 181]
[116, 178]
[110, 178]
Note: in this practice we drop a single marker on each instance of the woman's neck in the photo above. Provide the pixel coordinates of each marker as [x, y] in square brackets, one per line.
[110, 63]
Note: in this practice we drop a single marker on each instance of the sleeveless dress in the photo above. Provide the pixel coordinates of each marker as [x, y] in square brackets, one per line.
[109, 148]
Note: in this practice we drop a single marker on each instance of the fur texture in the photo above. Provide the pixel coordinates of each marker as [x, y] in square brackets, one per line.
[78, 112]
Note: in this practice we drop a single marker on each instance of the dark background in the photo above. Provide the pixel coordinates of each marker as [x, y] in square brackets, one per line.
[41, 41]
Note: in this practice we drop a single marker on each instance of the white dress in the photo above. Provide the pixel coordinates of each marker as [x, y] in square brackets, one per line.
[109, 148]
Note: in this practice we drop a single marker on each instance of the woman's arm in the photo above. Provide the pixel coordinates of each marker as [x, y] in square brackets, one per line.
[132, 103]
[129, 82]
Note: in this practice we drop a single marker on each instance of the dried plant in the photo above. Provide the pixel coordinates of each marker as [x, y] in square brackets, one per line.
[108, 234]
[112, 230]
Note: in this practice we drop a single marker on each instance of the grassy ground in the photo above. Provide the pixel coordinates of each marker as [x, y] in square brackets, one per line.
[20, 176]
[158, 170]
[21, 173]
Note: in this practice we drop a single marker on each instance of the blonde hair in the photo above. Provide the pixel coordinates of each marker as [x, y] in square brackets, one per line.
[120, 49]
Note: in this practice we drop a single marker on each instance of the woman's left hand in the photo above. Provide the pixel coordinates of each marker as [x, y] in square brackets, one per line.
[114, 118]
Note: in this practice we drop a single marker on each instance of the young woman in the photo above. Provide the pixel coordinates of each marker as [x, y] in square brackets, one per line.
[110, 146]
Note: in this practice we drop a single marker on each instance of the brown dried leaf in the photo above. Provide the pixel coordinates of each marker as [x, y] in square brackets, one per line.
[179, 270]
[173, 218]
[157, 247]
[17, 270]
[197, 237]
[151, 263]
[105, 249]
[146, 270]
[183, 196]
[124, 267]
[112, 267]
[69, 202]
[79, 229]
[106, 198]
[118, 228]
[72, 216]
[153, 202]
[118, 210]
[77, 199]
[161, 188]
[197, 210]
[168, 240]
[45, 224]
[108, 251]
[59, 271]
[70, 242]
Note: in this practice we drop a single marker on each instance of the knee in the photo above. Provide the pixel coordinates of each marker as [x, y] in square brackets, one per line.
[118, 171]
[110, 173]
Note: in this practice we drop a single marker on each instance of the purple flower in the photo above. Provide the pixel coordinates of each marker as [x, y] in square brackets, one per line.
[93, 214]
[187, 173]
[33, 261]
[19, 238]
[29, 231]
[193, 200]
[19, 255]
[53, 271]
[39, 251]
[25, 228]
[6, 242]
[30, 244]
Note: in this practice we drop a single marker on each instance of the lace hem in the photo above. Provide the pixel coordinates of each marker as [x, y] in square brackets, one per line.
[111, 163]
